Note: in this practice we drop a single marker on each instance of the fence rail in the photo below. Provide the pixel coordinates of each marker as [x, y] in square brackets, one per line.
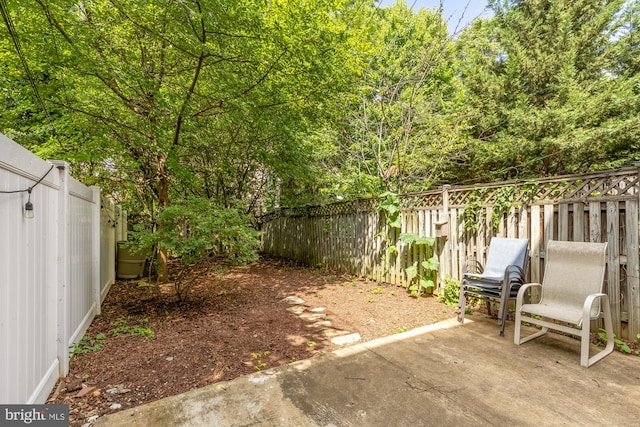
[55, 269]
[354, 236]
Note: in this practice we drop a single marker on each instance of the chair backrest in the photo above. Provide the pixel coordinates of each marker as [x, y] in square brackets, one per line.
[503, 252]
[573, 271]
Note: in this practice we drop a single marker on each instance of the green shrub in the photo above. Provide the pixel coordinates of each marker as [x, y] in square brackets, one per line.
[88, 344]
[198, 231]
[450, 293]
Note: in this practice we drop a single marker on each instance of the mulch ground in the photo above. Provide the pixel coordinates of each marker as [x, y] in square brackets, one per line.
[145, 345]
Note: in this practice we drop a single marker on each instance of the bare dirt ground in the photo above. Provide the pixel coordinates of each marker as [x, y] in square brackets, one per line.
[238, 320]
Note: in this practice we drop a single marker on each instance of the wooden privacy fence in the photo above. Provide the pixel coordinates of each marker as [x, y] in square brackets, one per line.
[354, 237]
[55, 269]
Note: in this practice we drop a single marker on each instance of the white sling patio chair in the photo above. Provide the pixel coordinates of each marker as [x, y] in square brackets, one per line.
[502, 276]
[571, 292]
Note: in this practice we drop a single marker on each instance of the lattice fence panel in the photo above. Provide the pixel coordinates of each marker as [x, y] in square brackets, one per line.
[620, 185]
[353, 236]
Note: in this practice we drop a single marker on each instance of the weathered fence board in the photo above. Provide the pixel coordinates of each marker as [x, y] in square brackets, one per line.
[632, 301]
[354, 236]
[534, 245]
[613, 263]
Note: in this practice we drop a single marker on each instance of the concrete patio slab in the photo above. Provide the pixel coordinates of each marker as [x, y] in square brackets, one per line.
[439, 375]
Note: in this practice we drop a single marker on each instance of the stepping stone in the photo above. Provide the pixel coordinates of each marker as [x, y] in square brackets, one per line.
[320, 324]
[317, 310]
[332, 333]
[346, 339]
[293, 300]
[312, 316]
[297, 309]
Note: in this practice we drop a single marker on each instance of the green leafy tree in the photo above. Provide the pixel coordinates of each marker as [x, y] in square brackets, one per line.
[199, 231]
[399, 133]
[160, 101]
[546, 90]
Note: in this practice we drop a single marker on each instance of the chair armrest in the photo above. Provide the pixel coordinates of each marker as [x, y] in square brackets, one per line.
[473, 266]
[514, 271]
[523, 290]
[588, 303]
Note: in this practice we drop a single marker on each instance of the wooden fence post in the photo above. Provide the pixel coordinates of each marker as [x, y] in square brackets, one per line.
[613, 263]
[535, 238]
[443, 216]
[633, 267]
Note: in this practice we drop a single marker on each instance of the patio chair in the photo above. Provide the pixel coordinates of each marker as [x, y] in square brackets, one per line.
[571, 293]
[500, 279]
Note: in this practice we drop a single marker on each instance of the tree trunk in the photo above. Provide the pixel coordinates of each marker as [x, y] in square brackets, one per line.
[163, 201]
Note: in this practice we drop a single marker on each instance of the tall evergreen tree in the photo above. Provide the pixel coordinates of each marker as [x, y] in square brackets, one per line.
[545, 94]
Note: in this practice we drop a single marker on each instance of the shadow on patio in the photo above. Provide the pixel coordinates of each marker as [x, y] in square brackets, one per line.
[442, 374]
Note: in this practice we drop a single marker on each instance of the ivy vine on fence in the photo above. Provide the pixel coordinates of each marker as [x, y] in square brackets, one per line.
[391, 207]
[471, 212]
[501, 201]
[421, 276]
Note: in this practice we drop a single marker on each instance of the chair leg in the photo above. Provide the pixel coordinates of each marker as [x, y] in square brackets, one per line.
[502, 314]
[517, 333]
[461, 303]
[516, 330]
[585, 336]
[505, 292]
[517, 339]
[504, 306]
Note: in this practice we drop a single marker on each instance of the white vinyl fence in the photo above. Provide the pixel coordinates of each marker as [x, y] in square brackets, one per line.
[52, 275]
